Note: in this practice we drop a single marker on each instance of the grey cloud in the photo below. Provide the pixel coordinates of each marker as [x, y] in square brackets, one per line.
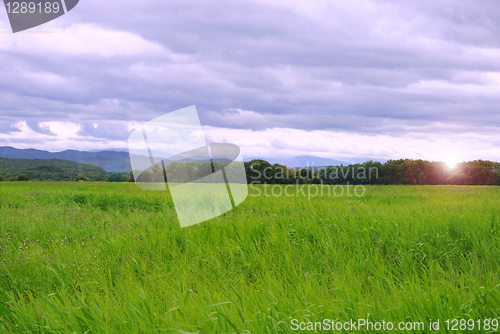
[106, 130]
[7, 126]
[35, 126]
[341, 69]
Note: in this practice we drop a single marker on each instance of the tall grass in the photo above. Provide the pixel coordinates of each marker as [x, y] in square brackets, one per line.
[111, 258]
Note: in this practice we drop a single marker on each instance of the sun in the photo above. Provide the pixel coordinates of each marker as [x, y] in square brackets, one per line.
[451, 158]
[451, 162]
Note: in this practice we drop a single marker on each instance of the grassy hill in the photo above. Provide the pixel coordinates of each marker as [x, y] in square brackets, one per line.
[49, 169]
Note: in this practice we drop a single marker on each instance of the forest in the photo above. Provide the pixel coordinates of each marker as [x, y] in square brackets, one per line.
[258, 171]
[392, 172]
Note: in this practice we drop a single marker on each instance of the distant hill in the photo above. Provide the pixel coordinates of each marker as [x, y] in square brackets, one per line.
[45, 169]
[303, 161]
[110, 161]
[119, 161]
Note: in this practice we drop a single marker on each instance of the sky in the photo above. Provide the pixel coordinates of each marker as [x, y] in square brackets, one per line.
[346, 80]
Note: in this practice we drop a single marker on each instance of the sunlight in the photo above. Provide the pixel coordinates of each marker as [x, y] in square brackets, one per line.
[451, 162]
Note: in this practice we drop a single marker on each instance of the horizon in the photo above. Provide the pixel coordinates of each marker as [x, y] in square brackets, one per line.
[286, 162]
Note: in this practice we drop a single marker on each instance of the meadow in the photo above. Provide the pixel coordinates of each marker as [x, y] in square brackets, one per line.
[79, 257]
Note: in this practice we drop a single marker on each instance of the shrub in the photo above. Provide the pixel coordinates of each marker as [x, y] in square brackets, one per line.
[145, 177]
[80, 199]
[23, 177]
[82, 177]
[116, 177]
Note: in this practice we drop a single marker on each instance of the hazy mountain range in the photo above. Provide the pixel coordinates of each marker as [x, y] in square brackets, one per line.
[110, 161]
[119, 161]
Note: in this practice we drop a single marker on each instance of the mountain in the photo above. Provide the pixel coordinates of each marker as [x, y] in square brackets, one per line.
[303, 161]
[110, 161]
[119, 161]
[110, 149]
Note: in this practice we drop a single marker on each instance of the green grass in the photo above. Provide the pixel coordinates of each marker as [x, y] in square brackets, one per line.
[111, 258]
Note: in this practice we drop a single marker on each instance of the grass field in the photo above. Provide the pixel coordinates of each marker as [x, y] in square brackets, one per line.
[111, 258]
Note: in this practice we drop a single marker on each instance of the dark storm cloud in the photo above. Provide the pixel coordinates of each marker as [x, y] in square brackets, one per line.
[366, 66]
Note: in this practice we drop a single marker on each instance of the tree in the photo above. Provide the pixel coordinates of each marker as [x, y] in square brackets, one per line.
[1, 178]
[495, 180]
[23, 177]
[176, 172]
[457, 177]
[480, 172]
[116, 177]
[145, 177]
[158, 174]
[82, 177]
[258, 171]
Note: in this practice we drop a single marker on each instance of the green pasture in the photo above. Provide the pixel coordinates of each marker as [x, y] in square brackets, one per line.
[81, 257]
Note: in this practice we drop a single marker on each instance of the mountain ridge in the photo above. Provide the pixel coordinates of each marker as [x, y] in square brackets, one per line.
[119, 161]
[110, 161]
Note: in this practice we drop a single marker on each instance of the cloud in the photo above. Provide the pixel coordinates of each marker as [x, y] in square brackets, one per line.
[80, 40]
[105, 130]
[364, 67]
[7, 126]
[55, 136]
[348, 146]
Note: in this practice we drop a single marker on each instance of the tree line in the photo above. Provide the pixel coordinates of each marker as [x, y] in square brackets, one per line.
[258, 171]
[392, 172]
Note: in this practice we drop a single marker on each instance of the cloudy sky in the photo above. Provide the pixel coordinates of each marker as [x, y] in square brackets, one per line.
[345, 80]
